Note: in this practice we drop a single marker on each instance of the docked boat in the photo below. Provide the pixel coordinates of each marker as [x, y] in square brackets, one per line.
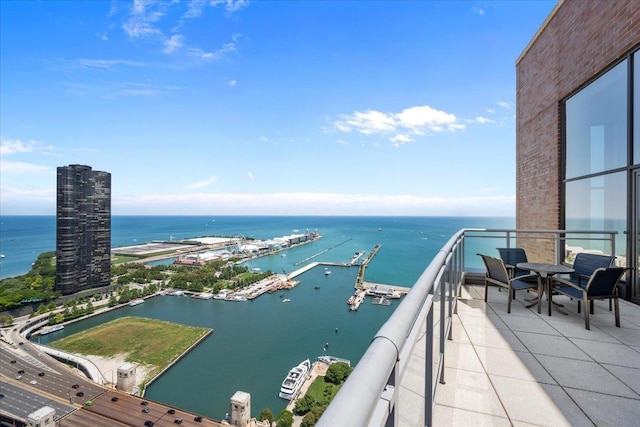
[332, 359]
[135, 302]
[237, 297]
[202, 295]
[176, 293]
[351, 299]
[51, 329]
[292, 383]
[381, 301]
[222, 294]
[327, 271]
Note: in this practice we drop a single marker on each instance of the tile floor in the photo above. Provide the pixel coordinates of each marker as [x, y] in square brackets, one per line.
[529, 369]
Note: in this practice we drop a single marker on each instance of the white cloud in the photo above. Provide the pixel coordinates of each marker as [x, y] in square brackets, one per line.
[231, 5]
[316, 203]
[481, 120]
[504, 104]
[8, 147]
[232, 82]
[173, 44]
[103, 36]
[416, 120]
[250, 175]
[19, 168]
[202, 184]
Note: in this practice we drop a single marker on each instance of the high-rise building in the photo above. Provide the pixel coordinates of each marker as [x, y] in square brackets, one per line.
[83, 229]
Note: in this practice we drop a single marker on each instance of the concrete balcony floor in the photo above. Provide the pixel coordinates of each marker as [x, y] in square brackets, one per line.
[529, 369]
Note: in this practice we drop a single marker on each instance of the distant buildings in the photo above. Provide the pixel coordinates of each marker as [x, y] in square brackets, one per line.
[83, 229]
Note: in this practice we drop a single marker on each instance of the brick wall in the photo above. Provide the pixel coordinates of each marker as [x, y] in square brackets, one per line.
[579, 39]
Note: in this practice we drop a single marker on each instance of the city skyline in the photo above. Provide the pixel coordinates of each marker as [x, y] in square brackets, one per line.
[265, 108]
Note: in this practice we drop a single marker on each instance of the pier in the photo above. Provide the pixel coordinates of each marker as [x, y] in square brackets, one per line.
[322, 252]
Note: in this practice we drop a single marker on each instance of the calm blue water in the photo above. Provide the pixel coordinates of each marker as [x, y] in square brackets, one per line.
[255, 343]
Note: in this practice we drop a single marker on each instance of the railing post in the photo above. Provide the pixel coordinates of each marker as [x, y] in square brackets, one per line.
[428, 377]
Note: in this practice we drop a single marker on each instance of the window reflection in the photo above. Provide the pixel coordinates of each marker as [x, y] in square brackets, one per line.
[598, 203]
[596, 125]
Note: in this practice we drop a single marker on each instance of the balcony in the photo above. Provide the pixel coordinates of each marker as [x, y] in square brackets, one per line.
[447, 358]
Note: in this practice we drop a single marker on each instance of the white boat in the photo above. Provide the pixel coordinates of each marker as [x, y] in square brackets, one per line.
[292, 383]
[135, 302]
[51, 329]
[222, 294]
[238, 297]
[332, 359]
[286, 300]
[202, 295]
[175, 293]
[327, 271]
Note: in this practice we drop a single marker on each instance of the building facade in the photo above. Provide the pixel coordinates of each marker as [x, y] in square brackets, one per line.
[578, 127]
[83, 229]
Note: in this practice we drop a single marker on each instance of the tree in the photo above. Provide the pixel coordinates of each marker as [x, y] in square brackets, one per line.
[305, 404]
[285, 419]
[337, 372]
[266, 414]
[313, 416]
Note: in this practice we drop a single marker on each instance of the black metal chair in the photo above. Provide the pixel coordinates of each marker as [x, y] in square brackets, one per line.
[602, 284]
[584, 264]
[511, 257]
[497, 275]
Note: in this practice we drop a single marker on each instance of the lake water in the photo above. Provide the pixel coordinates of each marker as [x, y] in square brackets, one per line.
[255, 343]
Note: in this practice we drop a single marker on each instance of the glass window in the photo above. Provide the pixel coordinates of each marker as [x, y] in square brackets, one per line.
[636, 108]
[596, 125]
[598, 203]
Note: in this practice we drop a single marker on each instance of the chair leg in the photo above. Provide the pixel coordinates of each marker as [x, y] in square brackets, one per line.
[591, 306]
[610, 304]
[578, 307]
[486, 290]
[586, 311]
[509, 303]
[617, 310]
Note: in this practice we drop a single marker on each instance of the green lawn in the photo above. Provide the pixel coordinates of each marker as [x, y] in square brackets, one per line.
[144, 341]
[322, 391]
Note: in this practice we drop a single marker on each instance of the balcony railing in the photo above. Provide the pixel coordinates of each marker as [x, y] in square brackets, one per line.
[370, 396]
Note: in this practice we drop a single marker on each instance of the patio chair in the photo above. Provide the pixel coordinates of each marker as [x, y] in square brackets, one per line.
[513, 256]
[602, 284]
[584, 265]
[497, 275]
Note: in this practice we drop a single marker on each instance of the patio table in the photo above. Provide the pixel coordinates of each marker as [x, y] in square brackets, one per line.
[548, 270]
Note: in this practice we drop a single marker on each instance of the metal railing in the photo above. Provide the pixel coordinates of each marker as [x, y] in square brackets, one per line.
[370, 396]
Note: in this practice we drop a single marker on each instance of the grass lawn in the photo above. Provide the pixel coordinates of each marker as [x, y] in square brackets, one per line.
[144, 341]
[322, 391]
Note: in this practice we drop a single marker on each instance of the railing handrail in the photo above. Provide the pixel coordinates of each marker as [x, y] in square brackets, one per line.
[369, 396]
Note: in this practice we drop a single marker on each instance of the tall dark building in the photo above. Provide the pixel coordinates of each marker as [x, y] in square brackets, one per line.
[83, 229]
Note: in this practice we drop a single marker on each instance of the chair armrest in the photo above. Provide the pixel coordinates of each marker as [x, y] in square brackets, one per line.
[582, 277]
[527, 276]
[564, 282]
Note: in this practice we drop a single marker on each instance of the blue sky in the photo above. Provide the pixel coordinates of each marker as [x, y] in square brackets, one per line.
[265, 107]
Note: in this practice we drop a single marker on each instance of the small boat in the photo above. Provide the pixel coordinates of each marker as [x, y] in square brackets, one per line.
[222, 294]
[51, 329]
[332, 359]
[327, 271]
[294, 380]
[135, 302]
[351, 300]
[202, 295]
[316, 287]
[286, 300]
[177, 293]
[1, 255]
